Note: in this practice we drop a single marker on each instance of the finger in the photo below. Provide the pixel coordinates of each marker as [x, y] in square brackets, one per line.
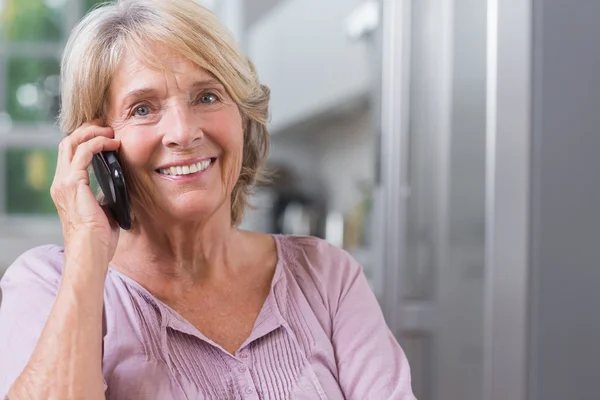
[68, 147]
[85, 132]
[85, 151]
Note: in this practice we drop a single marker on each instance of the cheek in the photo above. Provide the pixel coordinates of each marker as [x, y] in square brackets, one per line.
[232, 141]
[137, 146]
[233, 134]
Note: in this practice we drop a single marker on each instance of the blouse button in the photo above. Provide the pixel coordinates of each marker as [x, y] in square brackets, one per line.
[248, 391]
[242, 369]
[243, 355]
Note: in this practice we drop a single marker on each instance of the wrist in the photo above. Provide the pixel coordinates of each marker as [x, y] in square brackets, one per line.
[85, 246]
[82, 286]
[85, 262]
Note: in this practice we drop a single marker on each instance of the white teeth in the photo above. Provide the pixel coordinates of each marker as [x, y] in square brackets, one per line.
[186, 169]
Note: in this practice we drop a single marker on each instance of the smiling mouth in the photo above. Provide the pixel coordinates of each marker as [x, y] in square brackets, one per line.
[182, 170]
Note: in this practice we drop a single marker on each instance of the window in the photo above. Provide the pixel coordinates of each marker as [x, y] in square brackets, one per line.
[32, 89]
[32, 20]
[32, 36]
[30, 174]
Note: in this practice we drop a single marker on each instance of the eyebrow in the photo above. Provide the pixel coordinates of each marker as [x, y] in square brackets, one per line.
[145, 92]
[137, 93]
[205, 83]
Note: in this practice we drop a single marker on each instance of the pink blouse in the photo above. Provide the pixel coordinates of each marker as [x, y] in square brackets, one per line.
[320, 334]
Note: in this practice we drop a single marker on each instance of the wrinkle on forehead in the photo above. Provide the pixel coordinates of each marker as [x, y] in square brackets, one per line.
[160, 57]
[174, 69]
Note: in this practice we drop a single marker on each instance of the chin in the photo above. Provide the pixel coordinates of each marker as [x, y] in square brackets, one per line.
[194, 211]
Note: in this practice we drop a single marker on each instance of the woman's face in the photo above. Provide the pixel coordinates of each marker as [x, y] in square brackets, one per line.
[181, 137]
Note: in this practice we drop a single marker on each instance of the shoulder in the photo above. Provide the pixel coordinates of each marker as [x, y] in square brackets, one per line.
[316, 262]
[316, 253]
[38, 266]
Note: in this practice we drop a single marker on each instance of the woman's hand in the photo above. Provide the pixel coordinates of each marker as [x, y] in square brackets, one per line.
[82, 218]
[66, 362]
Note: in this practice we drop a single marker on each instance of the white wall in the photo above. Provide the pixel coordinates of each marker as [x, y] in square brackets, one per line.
[302, 53]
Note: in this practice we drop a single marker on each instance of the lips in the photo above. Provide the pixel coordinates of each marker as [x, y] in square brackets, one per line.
[187, 169]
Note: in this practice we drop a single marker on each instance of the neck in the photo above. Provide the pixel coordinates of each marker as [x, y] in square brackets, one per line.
[160, 254]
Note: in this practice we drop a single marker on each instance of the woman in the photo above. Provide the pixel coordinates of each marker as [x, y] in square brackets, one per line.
[184, 305]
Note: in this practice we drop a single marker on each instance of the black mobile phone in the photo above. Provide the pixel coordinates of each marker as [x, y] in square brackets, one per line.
[109, 175]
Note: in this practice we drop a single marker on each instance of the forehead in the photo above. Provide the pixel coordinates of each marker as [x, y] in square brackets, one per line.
[134, 73]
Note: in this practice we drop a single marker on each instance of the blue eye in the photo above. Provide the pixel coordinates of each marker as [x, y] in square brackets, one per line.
[208, 98]
[142, 111]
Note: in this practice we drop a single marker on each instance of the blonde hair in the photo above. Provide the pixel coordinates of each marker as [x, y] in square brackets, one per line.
[100, 39]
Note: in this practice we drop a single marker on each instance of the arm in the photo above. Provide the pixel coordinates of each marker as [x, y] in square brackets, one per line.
[371, 363]
[65, 362]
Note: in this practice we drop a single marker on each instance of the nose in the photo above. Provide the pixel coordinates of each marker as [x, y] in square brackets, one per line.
[180, 128]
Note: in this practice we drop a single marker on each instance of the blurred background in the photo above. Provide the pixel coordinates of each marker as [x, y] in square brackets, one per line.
[449, 145]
